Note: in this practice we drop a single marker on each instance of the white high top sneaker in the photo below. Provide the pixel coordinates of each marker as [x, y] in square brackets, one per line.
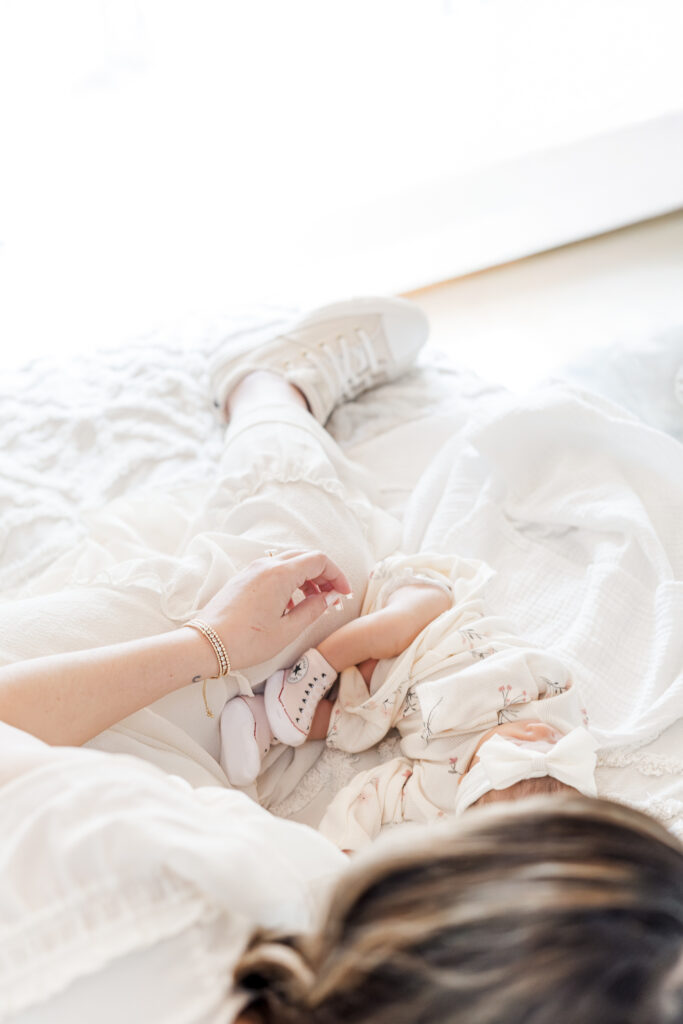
[332, 354]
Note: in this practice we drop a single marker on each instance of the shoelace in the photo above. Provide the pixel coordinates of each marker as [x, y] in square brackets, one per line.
[308, 710]
[369, 350]
[337, 368]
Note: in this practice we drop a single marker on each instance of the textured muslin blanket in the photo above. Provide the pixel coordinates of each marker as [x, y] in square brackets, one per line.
[578, 506]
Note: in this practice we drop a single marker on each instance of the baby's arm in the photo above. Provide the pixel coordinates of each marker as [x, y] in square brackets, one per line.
[382, 634]
[388, 632]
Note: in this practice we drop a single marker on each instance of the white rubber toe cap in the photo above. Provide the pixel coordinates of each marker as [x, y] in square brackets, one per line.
[406, 330]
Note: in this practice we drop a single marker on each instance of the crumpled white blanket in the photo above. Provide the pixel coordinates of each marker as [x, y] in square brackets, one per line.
[95, 878]
[579, 507]
[574, 502]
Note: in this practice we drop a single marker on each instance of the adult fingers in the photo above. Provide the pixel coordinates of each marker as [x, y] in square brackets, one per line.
[322, 584]
[302, 616]
[315, 586]
[317, 567]
[309, 588]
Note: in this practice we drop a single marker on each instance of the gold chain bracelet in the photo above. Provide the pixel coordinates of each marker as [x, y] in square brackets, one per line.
[219, 650]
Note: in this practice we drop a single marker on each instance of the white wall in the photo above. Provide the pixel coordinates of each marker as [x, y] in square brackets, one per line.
[159, 156]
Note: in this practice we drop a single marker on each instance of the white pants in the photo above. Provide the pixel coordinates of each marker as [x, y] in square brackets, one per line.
[152, 561]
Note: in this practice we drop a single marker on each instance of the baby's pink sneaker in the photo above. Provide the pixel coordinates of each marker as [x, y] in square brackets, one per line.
[293, 694]
[246, 737]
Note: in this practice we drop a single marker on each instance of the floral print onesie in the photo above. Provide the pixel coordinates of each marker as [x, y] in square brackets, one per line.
[463, 675]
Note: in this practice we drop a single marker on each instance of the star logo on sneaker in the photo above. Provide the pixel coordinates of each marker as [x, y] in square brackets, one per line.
[298, 670]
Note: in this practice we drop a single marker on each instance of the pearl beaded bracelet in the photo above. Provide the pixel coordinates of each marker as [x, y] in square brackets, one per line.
[219, 650]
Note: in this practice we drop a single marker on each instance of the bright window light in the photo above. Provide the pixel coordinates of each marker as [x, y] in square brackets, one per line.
[161, 156]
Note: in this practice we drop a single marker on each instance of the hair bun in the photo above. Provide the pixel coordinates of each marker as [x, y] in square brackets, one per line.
[277, 972]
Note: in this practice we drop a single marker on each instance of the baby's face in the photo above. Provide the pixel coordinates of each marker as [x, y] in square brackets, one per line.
[528, 732]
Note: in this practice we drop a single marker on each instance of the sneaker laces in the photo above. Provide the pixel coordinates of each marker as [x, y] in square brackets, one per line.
[369, 348]
[311, 709]
[336, 367]
[308, 712]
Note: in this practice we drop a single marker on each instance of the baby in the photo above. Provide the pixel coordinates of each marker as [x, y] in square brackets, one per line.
[482, 715]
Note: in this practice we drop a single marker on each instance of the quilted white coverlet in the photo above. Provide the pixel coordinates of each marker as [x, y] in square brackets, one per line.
[577, 504]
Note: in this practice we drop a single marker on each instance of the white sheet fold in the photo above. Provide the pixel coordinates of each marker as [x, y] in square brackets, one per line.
[579, 508]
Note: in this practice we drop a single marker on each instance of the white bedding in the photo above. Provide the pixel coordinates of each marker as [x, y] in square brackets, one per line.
[576, 503]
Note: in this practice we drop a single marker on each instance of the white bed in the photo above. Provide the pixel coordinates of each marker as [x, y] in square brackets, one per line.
[577, 503]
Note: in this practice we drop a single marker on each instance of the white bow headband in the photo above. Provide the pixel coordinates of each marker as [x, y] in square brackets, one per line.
[502, 764]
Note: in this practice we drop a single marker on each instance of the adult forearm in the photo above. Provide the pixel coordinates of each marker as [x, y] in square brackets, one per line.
[66, 699]
[69, 698]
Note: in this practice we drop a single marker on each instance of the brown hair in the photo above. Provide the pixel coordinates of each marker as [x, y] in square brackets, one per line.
[552, 911]
[526, 787]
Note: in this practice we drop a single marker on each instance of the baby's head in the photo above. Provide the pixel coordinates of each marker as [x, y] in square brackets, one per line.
[525, 787]
[521, 760]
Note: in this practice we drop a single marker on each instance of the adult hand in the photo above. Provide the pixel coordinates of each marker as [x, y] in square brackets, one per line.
[254, 613]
